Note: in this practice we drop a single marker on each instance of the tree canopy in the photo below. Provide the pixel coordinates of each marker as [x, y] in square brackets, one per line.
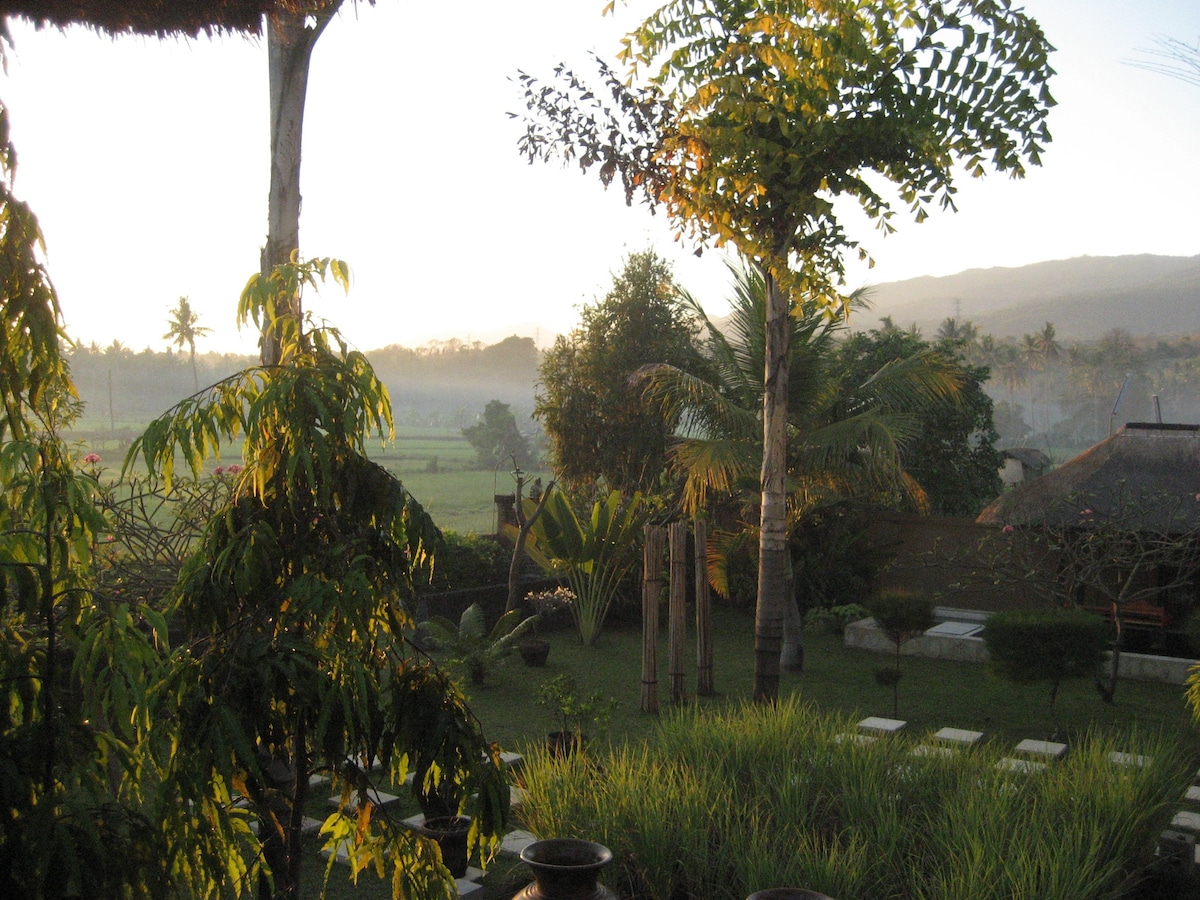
[594, 417]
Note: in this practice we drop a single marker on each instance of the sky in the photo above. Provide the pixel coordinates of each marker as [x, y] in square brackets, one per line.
[147, 164]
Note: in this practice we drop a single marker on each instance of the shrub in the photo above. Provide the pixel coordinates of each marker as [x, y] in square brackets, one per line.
[469, 561]
[1050, 644]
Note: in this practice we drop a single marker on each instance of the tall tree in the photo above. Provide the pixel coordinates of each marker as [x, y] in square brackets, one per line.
[757, 113]
[848, 424]
[595, 420]
[183, 327]
[496, 438]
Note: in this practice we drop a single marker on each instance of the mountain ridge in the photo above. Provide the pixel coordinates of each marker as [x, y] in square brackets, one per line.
[1085, 297]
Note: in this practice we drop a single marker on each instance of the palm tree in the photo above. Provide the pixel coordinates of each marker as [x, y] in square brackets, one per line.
[844, 439]
[183, 330]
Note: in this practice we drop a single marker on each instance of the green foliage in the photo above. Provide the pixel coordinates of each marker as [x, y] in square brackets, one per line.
[1050, 644]
[496, 439]
[951, 453]
[295, 610]
[574, 710]
[467, 561]
[747, 798]
[594, 417]
[469, 644]
[835, 618]
[595, 552]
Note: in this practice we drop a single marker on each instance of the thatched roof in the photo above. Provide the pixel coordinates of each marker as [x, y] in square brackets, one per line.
[1147, 475]
[152, 17]
[1030, 457]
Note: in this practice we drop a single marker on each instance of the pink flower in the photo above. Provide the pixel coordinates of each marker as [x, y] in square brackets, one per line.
[1198, 498]
[1008, 529]
[110, 539]
[234, 469]
[1085, 512]
[219, 470]
[92, 458]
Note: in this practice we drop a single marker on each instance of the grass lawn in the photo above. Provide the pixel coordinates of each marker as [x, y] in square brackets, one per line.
[933, 693]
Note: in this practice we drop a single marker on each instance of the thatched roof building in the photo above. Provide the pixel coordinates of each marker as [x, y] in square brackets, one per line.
[152, 17]
[1148, 475]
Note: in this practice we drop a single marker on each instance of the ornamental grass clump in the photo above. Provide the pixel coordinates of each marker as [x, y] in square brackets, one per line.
[719, 804]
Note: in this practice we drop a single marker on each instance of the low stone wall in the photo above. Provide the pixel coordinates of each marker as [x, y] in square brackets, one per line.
[941, 642]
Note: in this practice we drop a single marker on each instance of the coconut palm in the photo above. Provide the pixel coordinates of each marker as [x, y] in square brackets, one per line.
[182, 329]
[844, 438]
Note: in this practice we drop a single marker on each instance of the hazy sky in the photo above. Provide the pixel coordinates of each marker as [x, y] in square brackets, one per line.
[147, 164]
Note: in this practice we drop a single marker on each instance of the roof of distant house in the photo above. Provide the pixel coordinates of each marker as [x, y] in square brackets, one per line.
[1147, 474]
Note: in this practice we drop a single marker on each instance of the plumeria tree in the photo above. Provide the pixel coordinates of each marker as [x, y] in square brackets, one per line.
[744, 120]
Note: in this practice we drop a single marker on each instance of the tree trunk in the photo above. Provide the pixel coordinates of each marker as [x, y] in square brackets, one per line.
[524, 526]
[772, 540]
[290, 41]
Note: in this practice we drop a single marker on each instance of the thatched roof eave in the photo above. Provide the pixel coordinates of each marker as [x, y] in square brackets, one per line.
[155, 18]
[1147, 476]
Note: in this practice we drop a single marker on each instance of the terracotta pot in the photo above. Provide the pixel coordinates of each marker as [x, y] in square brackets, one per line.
[534, 653]
[787, 894]
[566, 869]
[450, 832]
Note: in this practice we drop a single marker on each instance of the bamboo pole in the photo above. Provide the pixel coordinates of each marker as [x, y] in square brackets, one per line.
[677, 611]
[652, 560]
[704, 642]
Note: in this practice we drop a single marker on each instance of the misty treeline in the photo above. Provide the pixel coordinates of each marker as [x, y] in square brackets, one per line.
[441, 384]
[1051, 391]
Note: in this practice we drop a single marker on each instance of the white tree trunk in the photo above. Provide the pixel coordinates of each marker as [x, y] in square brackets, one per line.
[290, 41]
[772, 541]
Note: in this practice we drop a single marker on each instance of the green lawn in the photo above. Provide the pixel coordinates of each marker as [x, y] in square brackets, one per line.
[933, 693]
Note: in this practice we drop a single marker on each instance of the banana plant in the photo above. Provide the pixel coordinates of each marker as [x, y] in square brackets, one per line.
[472, 646]
[594, 553]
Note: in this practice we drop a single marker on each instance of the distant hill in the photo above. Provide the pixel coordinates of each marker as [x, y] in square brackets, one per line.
[1084, 297]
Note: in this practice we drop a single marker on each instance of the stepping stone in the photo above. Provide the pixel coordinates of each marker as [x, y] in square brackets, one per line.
[510, 759]
[469, 889]
[1128, 759]
[955, 629]
[317, 780]
[516, 796]
[959, 736]
[1028, 766]
[1192, 794]
[1046, 749]
[379, 798]
[310, 826]
[514, 842]
[877, 725]
[930, 750]
[853, 738]
[1186, 821]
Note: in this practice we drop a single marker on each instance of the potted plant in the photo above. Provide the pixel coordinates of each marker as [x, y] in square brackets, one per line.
[560, 694]
[471, 646]
[546, 608]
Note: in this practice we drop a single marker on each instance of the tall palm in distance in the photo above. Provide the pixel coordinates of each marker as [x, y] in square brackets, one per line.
[183, 329]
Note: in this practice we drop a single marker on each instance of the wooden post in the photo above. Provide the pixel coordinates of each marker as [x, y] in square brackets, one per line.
[677, 612]
[652, 560]
[704, 644]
